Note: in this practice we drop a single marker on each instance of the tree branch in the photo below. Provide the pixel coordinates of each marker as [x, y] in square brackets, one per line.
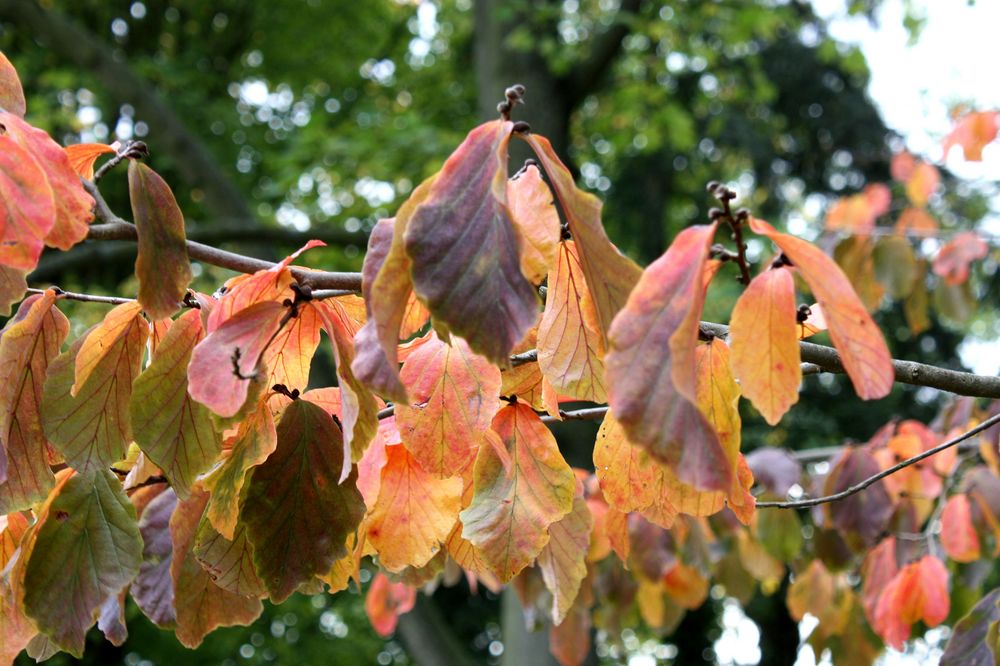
[77, 45]
[858, 487]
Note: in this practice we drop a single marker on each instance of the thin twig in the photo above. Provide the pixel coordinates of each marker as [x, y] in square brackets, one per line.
[86, 298]
[858, 487]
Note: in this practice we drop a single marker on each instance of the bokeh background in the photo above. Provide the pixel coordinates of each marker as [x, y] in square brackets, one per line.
[285, 120]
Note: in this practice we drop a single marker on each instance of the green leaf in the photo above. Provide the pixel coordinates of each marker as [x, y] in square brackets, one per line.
[87, 549]
[162, 263]
[176, 432]
[297, 515]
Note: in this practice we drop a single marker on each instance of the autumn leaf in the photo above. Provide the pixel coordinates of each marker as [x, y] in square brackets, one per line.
[463, 248]
[972, 132]
[200, 604]
[414, 513]
[570, 343]
[386, 601]
[629, 478]
[294, 503]
[522, 486]
[968, 645]
[176, 432]
[11, 93]
[537, 220]
[455, 394]
[811, 592]
[227, 359]
[856, 214]
[919, 591]
[13, 286]
[162, 264]
[255, 440]
[73, 206]
[153, 588]
[28, 212]
[650, 365]
[16, 629]
[922, 182]
[958, 536]
[90, 425]
[953, 260]
[610, 274]
[387, 290]
[862, 517]
[562, 561]
[765, 346]
[916, 222]
[895, 265]
[855, 256]
[569, 640]
[289, 356]
[29, 343]
[82, 157]
[87, 549]
[229, 562]
[862, 348]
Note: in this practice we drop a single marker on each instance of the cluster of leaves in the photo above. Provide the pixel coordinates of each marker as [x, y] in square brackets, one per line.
[185, 461]
[882, 260]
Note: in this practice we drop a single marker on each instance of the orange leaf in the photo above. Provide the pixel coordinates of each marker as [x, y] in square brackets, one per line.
[90, 426]
[765, 346]
[650, 365]
[610, 274]
[811, 592]
[570, 344]
[227, 359]
[952, 261]
[463, 248]
[11, 93]
[902, 165]
[862, 348]
[12, 287]
[630, 479]
[814, 323]
[229, 562]
[522, 486]
[878, 569]
[28, 212]
[563, 559]
[535, 217]
[917, 222]
[414, 513]
[386, 601]
[30, 341]
[922, 183]
[856, 214]
[958, 536]
[455, 394]
[388, 292]
[919, 591]
[973, 132]
[74, 207]
[162, 264]
[83, 155]
[686, 586]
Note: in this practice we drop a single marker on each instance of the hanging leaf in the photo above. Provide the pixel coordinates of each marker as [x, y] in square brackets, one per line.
[73, 206]
[765, 346]
[968, 645]
[629, 478]
[953, 260]
[29, 211]
[570, 343]
[958, 536]
[294, 503]
[455, 394]
[916, 222]
[227, 359]
[919, 591]
[82, 157]
[87, 549]
[972, 132]
[862, 517]
[11, 93]
[254, 441]
[153, 588]
[895, 265]
[176, 432]
[856, 214]
[811, 592]
[88, 422]
[651, 365]
[28, 344]
[386, 601]
[162, 264]
[537, 221]
[229, 562]
[522, 486]
[414, 513]
[201, 604]
[862, 348]
[563, 559]
[387, 289]
[922, 183]
[855, 256]
[610, 274]
[13, 286]
[464, 250]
